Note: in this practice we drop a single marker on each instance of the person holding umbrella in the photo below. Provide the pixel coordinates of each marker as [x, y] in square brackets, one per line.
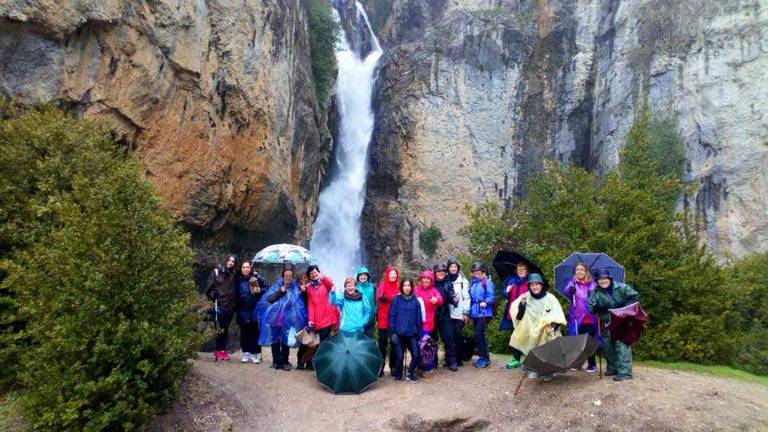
[222, 291]
[482, 293]
[355, 309]
[405, 317]
[537, 320]
[282, 314]
[610, 294]
[389, 287]
[580, 319]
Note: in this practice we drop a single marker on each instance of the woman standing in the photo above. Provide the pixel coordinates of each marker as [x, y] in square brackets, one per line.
[483, 295]
[368, 290]
[355, 309]
[443, 316]
[459, 304]
[323, 316]
[388, 288]
[249, 288]
[405, 319]
[537, 320]
[222, 291]
[281, 314]
[516, 285]
[580, 319]
[432, 299]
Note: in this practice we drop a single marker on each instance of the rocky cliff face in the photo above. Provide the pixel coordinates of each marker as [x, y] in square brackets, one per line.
[215, 97]
[475, 94]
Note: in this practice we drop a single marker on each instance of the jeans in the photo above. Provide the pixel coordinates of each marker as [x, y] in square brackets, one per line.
[590, 330]
[479, 332]
[384, 343]
[406, 342]
[249, 337]
[447, 335]
[280, 353]
[223, 331]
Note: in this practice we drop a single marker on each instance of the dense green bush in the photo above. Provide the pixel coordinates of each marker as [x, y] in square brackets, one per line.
[629, 213]
[100, 276]
[323, 34]
[429, 239]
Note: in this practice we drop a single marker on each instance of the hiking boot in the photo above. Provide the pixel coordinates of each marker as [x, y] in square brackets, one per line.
[513, 363]
[245, 358]
[275, 366]
[412, 378]
[300, 366]
[591, 369]
[610, 373]
[256, 358]
[622, 378]
[547, 378]
[453, 368]
[398, 379]
[286, 367]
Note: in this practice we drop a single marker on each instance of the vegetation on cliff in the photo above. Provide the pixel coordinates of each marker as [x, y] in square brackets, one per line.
[323, 33]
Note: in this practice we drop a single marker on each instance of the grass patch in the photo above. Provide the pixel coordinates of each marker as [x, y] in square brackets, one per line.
[718, 371]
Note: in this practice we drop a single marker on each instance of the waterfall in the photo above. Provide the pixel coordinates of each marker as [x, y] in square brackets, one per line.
[336, 232]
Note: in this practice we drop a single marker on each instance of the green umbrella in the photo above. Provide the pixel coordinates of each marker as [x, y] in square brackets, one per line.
[347, 363]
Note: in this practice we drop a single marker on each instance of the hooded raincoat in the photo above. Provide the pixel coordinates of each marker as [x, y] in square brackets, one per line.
[283, 317]
[368, 290]
[482, 290]
[385, 294]
[355, 310]
[460, 288]
[577, 293]
[530, 330]
[426, 294]
[321, 312]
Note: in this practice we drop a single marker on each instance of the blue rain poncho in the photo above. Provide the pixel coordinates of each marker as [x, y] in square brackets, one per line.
[279, 321]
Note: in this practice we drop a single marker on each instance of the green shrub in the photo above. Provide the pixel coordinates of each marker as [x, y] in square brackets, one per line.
[429, 238]
[323, 33]
[103, 283]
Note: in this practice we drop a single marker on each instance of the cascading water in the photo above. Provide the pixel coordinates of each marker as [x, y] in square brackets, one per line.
[336, 232]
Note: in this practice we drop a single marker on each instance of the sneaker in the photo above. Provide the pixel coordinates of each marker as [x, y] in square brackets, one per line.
[300, 366]
[286, 367]
[513, 363]
[453, 368]
[591, 369]
[398, 379]
[224, 356]
[412, 378]
[245, 358]
[532, 375]
[215, 356]
[275, 366]
[622, 378]
[256, 358]
[547, 378]
[482, 363]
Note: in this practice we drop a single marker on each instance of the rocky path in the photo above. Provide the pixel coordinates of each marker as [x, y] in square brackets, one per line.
[237, 397]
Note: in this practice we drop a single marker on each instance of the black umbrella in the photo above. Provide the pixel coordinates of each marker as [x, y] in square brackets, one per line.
[561, 354]
[506, 262]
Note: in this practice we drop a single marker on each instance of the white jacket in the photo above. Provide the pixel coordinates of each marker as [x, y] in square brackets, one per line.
[461, 288]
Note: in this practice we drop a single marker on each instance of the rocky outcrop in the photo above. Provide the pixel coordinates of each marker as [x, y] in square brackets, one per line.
[214, 96]
[474, 95]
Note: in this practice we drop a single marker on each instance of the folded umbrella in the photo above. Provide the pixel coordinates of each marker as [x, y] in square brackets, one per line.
[627, 323]
[561, 354]
[347, 363]
[505, 264]
[594, 261]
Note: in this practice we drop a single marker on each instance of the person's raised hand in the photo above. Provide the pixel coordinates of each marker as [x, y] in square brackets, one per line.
[433, 300]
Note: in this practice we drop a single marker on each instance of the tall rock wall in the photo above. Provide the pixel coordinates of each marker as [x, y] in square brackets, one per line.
[474, 95]
[215, 96]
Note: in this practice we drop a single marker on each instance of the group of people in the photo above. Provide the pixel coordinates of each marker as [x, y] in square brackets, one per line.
[405, 312]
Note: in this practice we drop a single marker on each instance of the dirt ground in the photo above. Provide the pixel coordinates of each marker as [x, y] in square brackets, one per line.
[246, 397]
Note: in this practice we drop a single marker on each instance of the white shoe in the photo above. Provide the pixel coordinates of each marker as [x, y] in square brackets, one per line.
[547, 378]
[245, 357]
[256, 358]
[532, 375]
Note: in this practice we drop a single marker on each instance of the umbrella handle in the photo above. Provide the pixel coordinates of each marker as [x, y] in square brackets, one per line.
[599, 348]
[520, 383]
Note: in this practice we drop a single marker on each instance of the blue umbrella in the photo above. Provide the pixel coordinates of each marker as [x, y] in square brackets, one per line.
[594, 261]
[284, 253]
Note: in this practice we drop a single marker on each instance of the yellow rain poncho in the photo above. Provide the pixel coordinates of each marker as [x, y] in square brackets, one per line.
[531, 330]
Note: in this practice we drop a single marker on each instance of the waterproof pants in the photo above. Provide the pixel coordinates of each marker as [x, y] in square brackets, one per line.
[249, 337]
[384, 343]
[618, 356]
[479, 325]
[446, 332]
[410, 343]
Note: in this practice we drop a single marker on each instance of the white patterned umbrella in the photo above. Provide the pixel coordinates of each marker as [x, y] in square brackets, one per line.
[284, 253]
